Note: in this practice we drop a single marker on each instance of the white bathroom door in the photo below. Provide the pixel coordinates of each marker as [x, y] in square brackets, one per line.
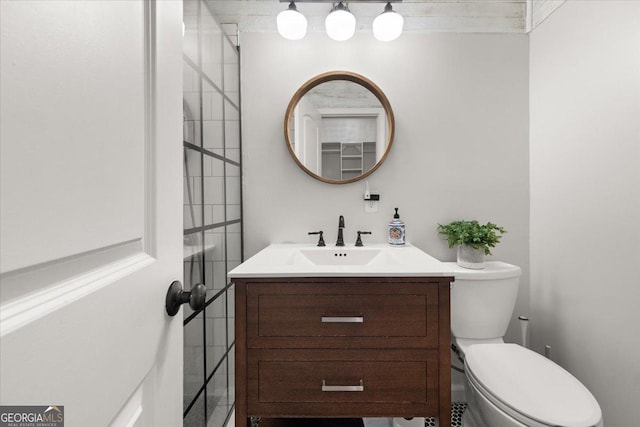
[308, 138]
[91, 209]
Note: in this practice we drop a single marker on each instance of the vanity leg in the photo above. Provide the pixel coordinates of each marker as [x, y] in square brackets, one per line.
[254, 421]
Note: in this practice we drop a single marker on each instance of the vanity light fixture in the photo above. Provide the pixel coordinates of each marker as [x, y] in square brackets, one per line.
[292, 25]
[340, 24]
[388, 25]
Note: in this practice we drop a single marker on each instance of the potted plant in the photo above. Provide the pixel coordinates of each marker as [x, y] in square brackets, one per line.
[473, 240]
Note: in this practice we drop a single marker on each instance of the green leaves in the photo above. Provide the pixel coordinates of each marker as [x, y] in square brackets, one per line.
[471, 233]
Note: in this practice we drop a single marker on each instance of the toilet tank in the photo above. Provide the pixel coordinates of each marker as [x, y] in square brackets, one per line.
[482, 301]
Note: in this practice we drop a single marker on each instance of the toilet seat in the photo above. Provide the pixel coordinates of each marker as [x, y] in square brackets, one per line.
[464, 343]
[529, 387]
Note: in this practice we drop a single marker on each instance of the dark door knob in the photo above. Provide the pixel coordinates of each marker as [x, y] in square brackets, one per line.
[176, 296]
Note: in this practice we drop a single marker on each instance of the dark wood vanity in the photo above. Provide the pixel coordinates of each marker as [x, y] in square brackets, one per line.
[342, 347]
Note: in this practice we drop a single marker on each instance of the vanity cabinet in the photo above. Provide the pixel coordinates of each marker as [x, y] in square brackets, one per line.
[343, 347]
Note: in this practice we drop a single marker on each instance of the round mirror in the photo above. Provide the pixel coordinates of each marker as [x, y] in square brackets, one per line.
[339, 127]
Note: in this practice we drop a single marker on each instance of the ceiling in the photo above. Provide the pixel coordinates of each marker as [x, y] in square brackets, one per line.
[479, 16]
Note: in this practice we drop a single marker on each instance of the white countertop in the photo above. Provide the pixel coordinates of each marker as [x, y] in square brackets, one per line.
[292, 260]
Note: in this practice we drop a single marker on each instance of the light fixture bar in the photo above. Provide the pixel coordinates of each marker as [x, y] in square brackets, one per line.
[344, 1]
[340, 24]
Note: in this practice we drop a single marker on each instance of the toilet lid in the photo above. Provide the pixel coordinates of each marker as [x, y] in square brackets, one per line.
[492, 270]
[532, 385]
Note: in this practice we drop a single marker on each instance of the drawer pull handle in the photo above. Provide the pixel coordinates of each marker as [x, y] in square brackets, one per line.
[342, 319]
[326, 387]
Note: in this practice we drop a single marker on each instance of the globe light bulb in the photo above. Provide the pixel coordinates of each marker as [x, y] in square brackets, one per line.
[292, 25]
[340, 23]
[388, 25]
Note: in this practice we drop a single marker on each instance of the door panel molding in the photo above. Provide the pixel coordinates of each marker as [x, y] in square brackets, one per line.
[78, 126]
[150, 80]
[33, 306]
[33, 291]
[131, 412]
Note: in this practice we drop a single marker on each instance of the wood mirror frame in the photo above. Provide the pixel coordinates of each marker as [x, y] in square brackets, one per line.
[347, 76]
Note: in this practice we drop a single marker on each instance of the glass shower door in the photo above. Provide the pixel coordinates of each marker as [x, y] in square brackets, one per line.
[212, 212]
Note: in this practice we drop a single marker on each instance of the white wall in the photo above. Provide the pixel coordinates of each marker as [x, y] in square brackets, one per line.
[585, 198]
[460, 152]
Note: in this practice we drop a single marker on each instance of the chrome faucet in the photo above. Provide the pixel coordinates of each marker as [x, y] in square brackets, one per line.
[340, 241]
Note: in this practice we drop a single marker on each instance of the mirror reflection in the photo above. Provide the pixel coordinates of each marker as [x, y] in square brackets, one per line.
[339, 127]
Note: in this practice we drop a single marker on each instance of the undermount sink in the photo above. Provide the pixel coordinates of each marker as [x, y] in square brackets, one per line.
[343, 256]
[372, 260]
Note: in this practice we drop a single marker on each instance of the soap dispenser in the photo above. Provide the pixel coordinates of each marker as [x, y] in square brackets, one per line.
[396, 230]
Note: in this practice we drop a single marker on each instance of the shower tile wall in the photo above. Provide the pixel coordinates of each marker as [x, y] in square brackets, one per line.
[212, 212]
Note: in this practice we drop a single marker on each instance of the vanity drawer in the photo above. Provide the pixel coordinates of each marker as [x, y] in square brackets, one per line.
[341, 316]
[338, 381]
[342, 382]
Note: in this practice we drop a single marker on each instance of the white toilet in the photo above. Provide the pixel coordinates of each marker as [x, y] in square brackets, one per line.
[507, 385]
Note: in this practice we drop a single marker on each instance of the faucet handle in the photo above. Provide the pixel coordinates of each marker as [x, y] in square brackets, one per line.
[359, 239]
[321, 239]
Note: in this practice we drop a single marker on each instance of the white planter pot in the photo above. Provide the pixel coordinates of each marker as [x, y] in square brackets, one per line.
[469, 257]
